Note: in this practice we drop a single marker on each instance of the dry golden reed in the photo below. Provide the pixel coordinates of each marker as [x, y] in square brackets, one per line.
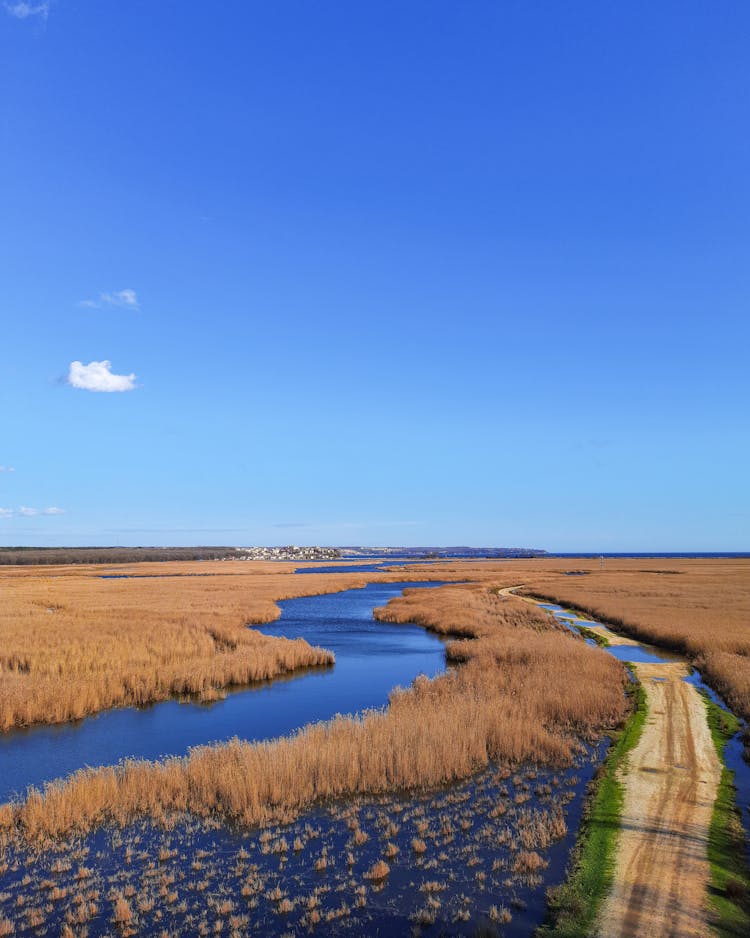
[700, 607]
[72, 643]
[525, 691]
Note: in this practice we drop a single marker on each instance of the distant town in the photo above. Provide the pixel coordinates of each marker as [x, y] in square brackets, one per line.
[290, 552]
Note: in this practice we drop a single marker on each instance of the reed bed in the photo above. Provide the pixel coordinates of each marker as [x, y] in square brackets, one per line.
[698, 607]
[72, 643]
[525, 692]
[75, 641]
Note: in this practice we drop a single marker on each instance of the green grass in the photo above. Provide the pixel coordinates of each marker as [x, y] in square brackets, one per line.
[601, 640]
[730, 881]
[574, 906]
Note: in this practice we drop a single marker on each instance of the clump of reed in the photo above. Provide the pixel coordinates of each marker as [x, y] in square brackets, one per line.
[378, 871]
[525, 692]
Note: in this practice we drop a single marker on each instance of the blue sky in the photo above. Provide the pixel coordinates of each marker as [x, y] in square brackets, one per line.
[375, 273]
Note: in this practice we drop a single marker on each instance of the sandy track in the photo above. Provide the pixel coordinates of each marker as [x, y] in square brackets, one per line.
[661, 866]
[661, 873]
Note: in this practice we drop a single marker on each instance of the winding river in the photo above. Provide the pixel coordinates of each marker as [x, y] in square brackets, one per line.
[371, 659]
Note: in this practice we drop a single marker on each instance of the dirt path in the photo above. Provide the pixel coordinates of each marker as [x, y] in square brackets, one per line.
[661, 865]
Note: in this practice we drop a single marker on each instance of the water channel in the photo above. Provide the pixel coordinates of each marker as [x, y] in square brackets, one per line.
[371, 659]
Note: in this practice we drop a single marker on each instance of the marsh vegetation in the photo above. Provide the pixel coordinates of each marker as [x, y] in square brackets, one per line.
[504, 702]
[699, 607]
[371, 659]
[487, 849]
[77, 644]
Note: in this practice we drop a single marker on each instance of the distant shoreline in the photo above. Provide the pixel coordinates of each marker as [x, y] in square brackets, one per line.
[29, 556]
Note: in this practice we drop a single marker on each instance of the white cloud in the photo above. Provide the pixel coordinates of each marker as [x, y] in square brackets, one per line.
[97, 376]
[25, 512]
[122, 299]
[32, 512]
[22, 10]
[7, 469]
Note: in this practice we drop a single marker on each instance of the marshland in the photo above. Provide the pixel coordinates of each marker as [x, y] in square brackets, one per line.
[302, 304]
[397, 748]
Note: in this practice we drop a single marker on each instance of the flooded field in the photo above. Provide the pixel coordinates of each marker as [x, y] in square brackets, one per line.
[478, 854]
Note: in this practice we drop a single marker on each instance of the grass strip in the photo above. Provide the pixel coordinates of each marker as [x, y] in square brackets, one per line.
[601, 640]
[730, 880]
[574, 905]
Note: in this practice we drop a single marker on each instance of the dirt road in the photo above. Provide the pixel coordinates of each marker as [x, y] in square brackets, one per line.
[661, 866]
[661, 872]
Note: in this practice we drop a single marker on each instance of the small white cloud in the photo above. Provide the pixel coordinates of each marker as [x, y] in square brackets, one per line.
[123, 299]
[22, 11]
[25, 512]
[97, 376]
[7, 469]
